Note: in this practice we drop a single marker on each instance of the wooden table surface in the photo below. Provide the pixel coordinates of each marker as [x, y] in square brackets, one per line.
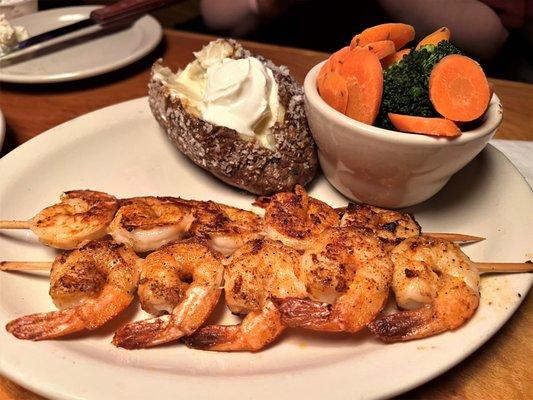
[500, 369]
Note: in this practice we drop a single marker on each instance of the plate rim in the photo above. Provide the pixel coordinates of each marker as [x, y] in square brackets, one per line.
[147, 20]
[47, 390]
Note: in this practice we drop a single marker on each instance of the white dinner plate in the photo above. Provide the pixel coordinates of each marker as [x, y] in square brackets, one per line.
[121, 150]
[82, 54]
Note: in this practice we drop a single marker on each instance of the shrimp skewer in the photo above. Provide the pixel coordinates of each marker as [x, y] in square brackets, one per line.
[294, 218]
[147, 223]
[165, 288]
[482, 267]
[90, 285]
[81, 215]
[225, 228]
[257, 271]
[348, 274]
[392, 227]
[437, 285]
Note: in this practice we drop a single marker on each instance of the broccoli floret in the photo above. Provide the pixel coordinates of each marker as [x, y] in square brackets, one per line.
[405, 84]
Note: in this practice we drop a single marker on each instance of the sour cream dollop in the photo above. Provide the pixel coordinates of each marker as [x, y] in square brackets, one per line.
[240, 94]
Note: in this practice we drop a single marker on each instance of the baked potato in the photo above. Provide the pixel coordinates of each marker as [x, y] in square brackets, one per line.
[238, 160]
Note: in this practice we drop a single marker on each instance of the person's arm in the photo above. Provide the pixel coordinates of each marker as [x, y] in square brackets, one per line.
[239, 16]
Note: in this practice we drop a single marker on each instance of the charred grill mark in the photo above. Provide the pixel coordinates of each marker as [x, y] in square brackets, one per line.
[342, 286]
[257, 245]
[409, 273]
[83, 277]
[237, 285]
[391, 226]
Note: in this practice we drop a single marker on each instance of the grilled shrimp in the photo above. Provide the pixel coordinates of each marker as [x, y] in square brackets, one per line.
[182, 280]
[392, 227]
[349, 269]
[81, 215]
[91, 285]
[294, 218]
[224, 228]
[437, 285]
[147, 223]
[257, 271]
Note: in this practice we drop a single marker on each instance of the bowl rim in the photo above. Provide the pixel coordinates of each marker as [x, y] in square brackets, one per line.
[493, 118]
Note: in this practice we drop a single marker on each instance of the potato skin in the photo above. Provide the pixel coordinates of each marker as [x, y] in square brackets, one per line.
[220, 150]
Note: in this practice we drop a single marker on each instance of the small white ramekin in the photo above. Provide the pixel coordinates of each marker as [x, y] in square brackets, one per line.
[388, 168]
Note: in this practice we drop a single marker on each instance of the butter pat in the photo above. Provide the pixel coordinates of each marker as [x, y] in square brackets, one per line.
[10, 35]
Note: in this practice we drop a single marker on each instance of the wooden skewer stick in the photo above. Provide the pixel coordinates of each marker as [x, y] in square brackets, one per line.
[14, 224]
[502, 268]
[454, 237]
[25, 266]
[483, 268]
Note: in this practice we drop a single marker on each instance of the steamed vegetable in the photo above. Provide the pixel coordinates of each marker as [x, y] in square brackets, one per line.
[400, 34]
[435, 38]
[458, 88]
[362, 71]
[424, 90]
[425, 126]
[381, 49]
[334, 91]
[394, 58]
[405, 84]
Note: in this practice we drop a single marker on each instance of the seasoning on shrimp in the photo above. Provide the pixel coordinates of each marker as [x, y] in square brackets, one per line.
[294, 218]
[81, 215]
[182, 280]
[225, 228]
[91, 285]
[256, 272]
[147, 223]
[348, 269]
[390, 226]
[435, 283]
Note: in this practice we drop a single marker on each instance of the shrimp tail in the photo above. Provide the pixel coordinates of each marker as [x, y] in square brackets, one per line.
[46, 325]
[141, 334]
[212, 336]
[257, 330]
[297, 312]
[403, 325]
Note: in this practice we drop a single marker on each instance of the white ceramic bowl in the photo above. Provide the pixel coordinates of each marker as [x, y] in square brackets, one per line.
[387, 168]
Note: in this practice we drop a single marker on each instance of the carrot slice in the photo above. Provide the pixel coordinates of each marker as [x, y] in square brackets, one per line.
[458, 88]
[333, 63]
[434, 38]
[381, 49]
[335, 91]
[394, 58]
[425, 126]
[336, 60]
[364, 77]
[400, 34]
[322, 75]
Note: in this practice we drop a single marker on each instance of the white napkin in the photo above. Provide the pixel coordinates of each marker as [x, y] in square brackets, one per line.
[520, 152]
